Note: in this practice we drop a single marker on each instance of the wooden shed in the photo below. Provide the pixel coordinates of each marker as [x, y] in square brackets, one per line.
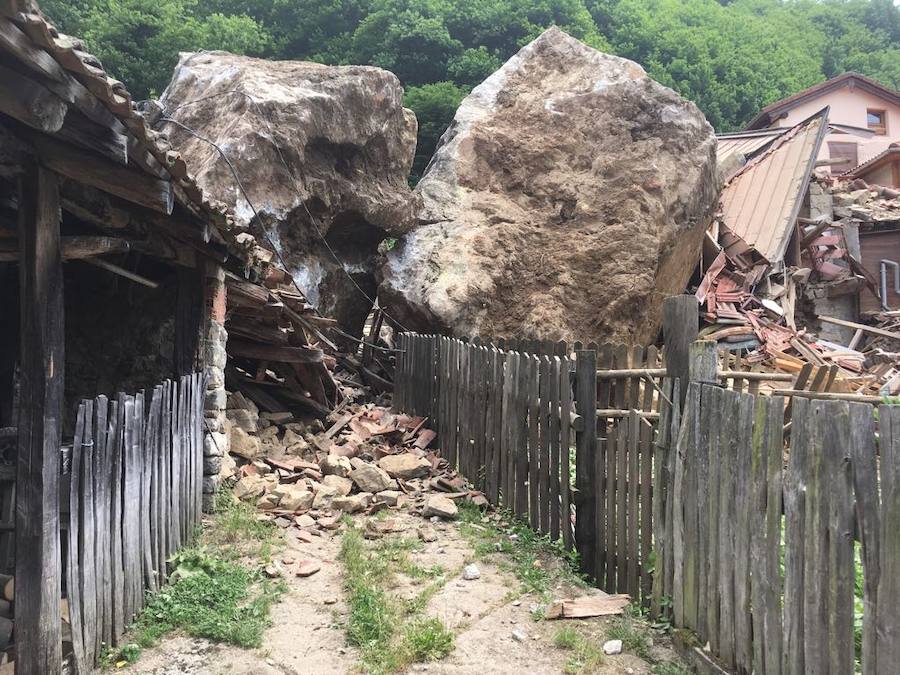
[112, 307]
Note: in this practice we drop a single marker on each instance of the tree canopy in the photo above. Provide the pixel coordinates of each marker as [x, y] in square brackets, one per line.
[731, 57]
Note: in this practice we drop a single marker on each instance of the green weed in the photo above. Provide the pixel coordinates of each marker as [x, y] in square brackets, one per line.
[376, 623]
[633, 634]
[429, 640]
[586, 656]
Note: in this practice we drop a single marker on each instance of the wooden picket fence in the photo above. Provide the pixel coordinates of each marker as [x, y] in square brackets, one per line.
[135, 472]
[504, 420]
[507, 419]
[735, 512]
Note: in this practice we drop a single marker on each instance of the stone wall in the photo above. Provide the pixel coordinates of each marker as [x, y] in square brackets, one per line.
[214, 339]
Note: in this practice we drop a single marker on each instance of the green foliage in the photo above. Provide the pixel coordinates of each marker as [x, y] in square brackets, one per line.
[434, 105]
[730, 57]
[586, 656]
[429, 640]
[207, 597]
[376, 620]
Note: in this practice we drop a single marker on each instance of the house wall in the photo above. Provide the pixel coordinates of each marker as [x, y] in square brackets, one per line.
[848, 106]
[887, 174]
[874, 247]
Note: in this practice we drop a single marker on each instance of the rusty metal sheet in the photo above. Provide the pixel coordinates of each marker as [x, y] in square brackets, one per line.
[760, 203]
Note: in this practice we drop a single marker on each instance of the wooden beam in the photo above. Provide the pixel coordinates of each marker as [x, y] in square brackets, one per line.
[38, 568]
[81, 131]
[122, 272]
[73, 248]
[280, 353]
[17, 43]
[27, 101]
[828, 396]
[84, 167]
[874, 330]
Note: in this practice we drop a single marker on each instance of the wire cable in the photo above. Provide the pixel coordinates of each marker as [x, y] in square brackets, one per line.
[293, 179]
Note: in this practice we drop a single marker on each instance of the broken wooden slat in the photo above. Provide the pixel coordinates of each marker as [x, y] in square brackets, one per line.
[588, 606]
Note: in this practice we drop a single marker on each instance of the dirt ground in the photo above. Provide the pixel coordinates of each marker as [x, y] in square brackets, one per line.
[307, 634]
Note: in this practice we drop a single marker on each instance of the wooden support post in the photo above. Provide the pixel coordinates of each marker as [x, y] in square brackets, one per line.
[37, 588]
[680, 330]
[190, 307]
[585, 473]
[702, 365]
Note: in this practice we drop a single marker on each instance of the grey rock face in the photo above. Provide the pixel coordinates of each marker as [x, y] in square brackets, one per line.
[568, 197]
[348, 144]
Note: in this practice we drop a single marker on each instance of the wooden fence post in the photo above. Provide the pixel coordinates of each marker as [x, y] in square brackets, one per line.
[680, 330]
[585, 447]
[38, 566]
[702, 365]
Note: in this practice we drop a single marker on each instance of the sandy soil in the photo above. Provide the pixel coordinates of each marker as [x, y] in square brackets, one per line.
[307, 635]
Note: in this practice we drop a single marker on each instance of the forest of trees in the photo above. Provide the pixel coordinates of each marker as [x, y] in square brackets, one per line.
[730, 57]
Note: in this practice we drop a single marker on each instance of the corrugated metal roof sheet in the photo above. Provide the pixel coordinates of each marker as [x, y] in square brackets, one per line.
[761, 202]
[746, 144]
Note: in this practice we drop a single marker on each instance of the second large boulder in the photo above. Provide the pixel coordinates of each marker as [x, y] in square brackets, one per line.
[568, 197]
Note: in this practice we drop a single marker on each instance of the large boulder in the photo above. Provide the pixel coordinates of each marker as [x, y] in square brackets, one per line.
[316, 147]
[568, 197]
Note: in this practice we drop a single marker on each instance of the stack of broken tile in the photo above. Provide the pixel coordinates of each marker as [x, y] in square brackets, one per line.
[306, 476]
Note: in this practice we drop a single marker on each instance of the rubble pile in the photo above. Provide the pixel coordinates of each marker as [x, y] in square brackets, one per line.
[305, 476]
[786, 316]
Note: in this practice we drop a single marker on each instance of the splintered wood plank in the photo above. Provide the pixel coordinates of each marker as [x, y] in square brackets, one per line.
[117, 567]
[674, 429]
[887, 627]
[772, 587]
[510, 381]
[765, 541]
[150, 524]
[73, 566]
[527, 372]
[679, 513]
[646, 484]
[588, 606]
[840, 525]
[712, 413]
[104, 434]
[795, 538]
[537, 420]
[87, 565]
[815, 572]
[634, 437]
[565, 395]
[620, 485]
[545, 413]
[177, 403]
[864, 469]
[497, 405]
[636, 360]
[556, 422]
[727, 521]
[743, 646]
[586, 442]
[484, 428]
[708, 425]
[130, 504]
[604, 492]
[660, 528]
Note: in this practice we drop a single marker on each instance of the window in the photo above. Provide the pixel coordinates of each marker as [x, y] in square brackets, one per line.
[875, 120]
[845, 151]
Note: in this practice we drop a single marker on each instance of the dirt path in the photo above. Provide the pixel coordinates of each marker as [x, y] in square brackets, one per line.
[308, 632]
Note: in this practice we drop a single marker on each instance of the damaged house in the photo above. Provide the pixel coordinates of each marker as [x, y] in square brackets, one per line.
[798, 258]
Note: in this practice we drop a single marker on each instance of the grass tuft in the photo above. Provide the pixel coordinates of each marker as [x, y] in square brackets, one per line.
[586, 656]
[634, 637]
[429, 640]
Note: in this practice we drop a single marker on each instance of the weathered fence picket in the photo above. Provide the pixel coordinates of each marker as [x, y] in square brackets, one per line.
[134, 499]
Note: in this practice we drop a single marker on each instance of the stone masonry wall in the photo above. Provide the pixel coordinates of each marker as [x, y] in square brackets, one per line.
[214, 339]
